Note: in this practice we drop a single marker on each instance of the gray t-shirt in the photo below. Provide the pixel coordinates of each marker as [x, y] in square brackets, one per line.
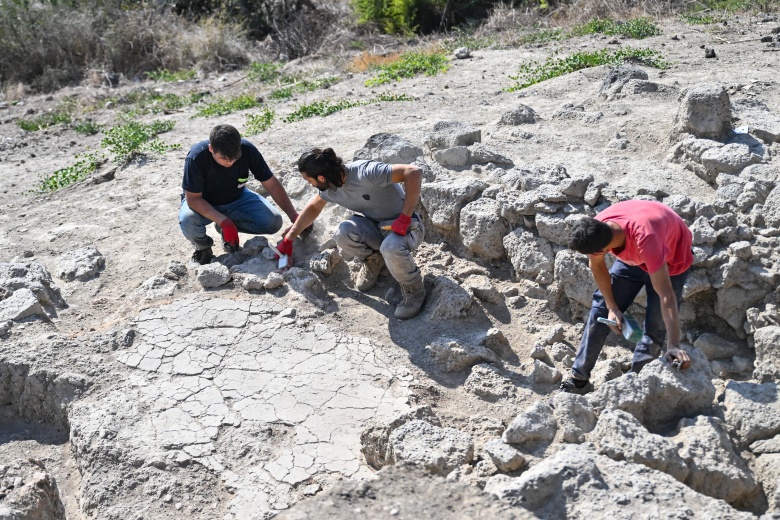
[369, 190]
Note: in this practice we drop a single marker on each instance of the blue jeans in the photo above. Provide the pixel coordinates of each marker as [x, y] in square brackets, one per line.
[251, 214]
[359, 237]
[627, 281]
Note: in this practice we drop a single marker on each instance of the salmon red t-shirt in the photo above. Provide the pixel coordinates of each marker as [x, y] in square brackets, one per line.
[655, 235]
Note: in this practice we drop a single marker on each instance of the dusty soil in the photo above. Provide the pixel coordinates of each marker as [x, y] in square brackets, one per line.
[132, 219]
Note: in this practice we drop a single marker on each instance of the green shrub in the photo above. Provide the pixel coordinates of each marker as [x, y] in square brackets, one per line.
[302, 87]
[224, 106]
[170, 76]
[406, 16]
[533, 73]
[264, 72]
[637, 28]
[409, 64]
[700, 19]
[87, 127]
[256, 123]
[44, 120]
[83, 167]
[326, 108]
[132, 138]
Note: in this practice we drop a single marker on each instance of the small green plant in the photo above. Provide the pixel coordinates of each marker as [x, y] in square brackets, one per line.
[533, 73]
[264, 72]
[170, 75]
[544, 36]
[394, 16]
[256, 123]
[224, 106]
[408, 65]
[637, 28]
[45, 120]
[700, 19]
[326, 108]
[84, 166]
[281, 93]
[86, 127]
[132, 138]
[303, 86]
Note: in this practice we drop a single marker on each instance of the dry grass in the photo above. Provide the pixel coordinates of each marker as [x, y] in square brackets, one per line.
[368, 60]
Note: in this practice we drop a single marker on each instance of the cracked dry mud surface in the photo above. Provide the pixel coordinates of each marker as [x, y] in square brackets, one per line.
[181, 402]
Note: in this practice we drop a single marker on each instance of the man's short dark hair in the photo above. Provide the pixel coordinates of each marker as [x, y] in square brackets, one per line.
[590, 236]
[317, 161]
[226, 141]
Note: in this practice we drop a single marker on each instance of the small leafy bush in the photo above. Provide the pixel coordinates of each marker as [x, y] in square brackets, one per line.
[87, 128]
[224, 106]
[408, 65]
[303, 87]
[637, 28]
[132, 138]
[44, 120]
[169, 76]
[326, 108]
[533, 73]
[264, 72]
[256, 123]
[544, 36]
[700, 19]
[83, 167]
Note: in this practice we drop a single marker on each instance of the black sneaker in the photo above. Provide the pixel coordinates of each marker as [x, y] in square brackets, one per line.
[203, 256]
[576, 386]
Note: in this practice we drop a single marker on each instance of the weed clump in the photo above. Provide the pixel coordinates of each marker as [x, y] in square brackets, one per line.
[534, 72]
[86, 128]
[168, 76]
[45, 120]
[256, 123]
[85, 165]
[132, 138]
[408, 65]
[224, 106]
[326, 108]
[637, 28]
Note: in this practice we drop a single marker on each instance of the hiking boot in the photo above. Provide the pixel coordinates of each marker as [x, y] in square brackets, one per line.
[576, 386]
[414, 297]
[203, 256]
[368, 275]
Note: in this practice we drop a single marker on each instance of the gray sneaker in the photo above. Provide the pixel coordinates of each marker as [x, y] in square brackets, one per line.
[410, 306]
[368, 275]
[570, 387]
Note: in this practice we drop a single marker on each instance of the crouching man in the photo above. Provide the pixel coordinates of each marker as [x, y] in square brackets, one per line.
[652, 246]
[384, 231]
[214, 190]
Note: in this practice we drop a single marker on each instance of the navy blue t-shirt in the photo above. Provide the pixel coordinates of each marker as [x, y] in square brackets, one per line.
[220, 185]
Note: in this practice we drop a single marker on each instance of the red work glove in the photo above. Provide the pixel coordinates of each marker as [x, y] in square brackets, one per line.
[229, 233]
[285, 247]
[401, 224]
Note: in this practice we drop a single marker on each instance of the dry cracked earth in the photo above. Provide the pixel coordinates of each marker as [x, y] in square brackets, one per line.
[134, 385]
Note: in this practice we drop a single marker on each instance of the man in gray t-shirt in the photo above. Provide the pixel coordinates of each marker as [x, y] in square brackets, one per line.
[384, 229]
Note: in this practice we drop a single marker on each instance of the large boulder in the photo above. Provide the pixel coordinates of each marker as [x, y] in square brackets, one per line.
[768, 474]
[574, 415]
[715, 468]
[389, 148]
[767, 344]
[715, 347]
[659, 394]
[752, 411]
[572, 274]
[29, 492]
[763, 123]
[704, 112]
[20, 305]
[439, 450]
[731, 158]
[444, 200]
[448, 300]
[447, 134]
[531, 256]
[453, 356]
[620, 436]
[535, 424]
[771, 208]
[482, 229]
[577, 482]
[32, 276]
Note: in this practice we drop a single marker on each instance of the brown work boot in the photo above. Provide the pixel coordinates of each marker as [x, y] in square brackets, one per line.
[368, 275]
[414, 297]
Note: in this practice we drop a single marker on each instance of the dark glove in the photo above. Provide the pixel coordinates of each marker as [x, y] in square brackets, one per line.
[401, 224]
[285, 247]
[229, 233]
[678, 358]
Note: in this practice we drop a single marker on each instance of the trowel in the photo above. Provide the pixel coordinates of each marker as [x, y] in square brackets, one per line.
[284, 260]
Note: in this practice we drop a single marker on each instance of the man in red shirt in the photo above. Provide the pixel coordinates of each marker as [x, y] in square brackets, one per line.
[652, 246]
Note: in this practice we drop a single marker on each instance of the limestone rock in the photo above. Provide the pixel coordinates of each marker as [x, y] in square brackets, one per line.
[483, 288]
[504, 456]
[82, 264]
[715, 469]
[570, 112]
[771, 208]
[254, 246]
[374, 439]
[731, 158]
[768, 474]
[520, 115]
[537, 423]
[660, 394]
[447, 134]
[487, 382]
[455, 157]
[389, 148]
[29, 492]
[767, 345]
[555, 227]
[543, 374]
[573, 275]
[324, 261]
[157, 287]
[32, 276]
[273, 281]
[439, 450]
[213, 275]
[481, 154]
[714, 346]
[448, 300]
[761, 121]
[704, 111]
[574, 416]
[752, 411]
[20, 305]
[444, 200]
[531, 256]
[620, 436]
[453, 356]
[307, 285]
[616, 79]
[482, 229]
[577, 482]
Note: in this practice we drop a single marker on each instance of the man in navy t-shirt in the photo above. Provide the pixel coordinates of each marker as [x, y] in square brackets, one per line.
[215, 176]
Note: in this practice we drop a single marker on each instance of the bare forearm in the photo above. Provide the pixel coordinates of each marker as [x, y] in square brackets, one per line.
[201, 207]
[412, 189]
[604, 283]
[309, 214]
[279, 195]
[671, 320]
